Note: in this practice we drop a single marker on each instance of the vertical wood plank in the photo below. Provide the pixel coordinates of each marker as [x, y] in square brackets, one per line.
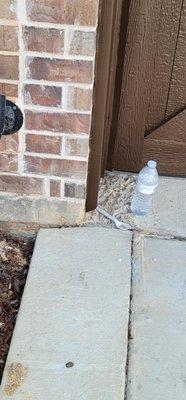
[177, 93]
[102, 72]
[121, 8]
[111, 83]
[168, 28]
[137, 76]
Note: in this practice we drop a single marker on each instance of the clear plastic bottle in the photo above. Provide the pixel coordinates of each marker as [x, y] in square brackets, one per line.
[146, 185]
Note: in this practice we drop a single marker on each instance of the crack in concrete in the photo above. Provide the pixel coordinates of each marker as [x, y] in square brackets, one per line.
[130, 336]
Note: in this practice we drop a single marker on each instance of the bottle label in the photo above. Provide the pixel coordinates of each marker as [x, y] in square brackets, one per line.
[145, 189]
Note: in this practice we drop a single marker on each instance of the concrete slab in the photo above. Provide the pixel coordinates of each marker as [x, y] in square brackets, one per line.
[157, 357]
[168, 216]
[70, 340]
[169, 211]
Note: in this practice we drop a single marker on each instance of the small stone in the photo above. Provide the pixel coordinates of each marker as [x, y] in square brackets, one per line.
[70, 365]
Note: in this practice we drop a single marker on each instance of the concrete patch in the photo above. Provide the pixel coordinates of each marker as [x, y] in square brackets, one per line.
[169, 212]
[168, 216]
[157, 357]
[72, 329]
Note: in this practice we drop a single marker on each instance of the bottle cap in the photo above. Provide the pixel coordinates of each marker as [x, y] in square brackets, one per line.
[152, 164]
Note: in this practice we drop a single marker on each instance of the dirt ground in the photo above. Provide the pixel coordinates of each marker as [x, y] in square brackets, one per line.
[15, 255]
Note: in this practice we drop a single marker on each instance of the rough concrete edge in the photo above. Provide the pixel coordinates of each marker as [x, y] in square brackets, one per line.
[91, 228]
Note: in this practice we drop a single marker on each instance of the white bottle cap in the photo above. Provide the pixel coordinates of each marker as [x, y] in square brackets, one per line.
[152, 164]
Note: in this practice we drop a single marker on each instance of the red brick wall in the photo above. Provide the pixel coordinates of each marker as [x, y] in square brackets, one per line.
[47, 51]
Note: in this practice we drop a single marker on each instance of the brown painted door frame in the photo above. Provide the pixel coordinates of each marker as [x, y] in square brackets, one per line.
[111, 12]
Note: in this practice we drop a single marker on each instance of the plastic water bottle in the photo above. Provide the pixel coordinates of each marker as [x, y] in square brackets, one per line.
[146, 185]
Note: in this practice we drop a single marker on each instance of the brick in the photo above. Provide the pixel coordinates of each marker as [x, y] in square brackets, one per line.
[77, 71]
[82, 43]
[21, 185]
[79, 99]
[55, 167]
[74, 190]
[9, 67]
[9, 38]
[9, 144]
[55, 188]
[49, 96]
[57, 122]
[76, 147]
[8, 9]
[80, 12]
[43, 144]
[8, 163]
[41, 39]
[86, 12]
[8, 89]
